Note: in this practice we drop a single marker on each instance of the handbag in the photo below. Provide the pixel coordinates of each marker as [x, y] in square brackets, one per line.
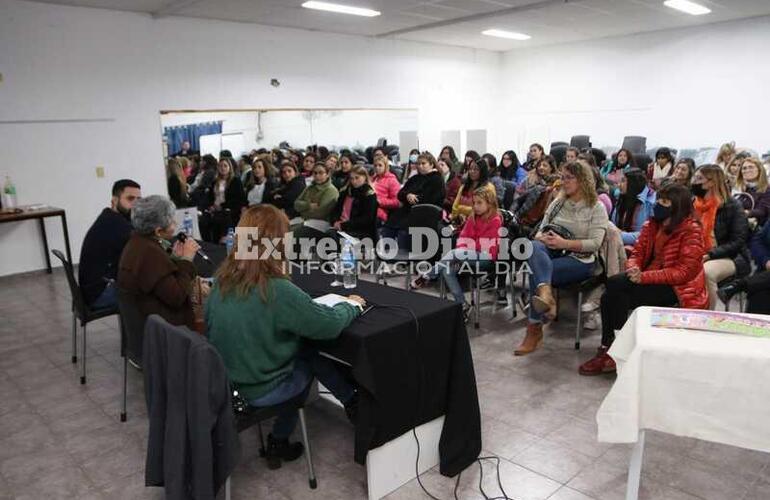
[549, 226]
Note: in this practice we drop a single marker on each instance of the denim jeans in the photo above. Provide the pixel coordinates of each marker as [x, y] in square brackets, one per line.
[557, 271]
[307, 364]
[449, 263]
[108, 297]
[401, 235]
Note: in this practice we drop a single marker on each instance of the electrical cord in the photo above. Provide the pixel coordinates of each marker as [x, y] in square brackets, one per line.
[414, 427]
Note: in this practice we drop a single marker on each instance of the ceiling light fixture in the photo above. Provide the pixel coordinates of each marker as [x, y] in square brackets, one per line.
[687, 6]
[512, 35]
[341, 9]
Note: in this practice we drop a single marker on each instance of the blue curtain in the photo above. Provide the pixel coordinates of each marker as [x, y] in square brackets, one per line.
[175, 136]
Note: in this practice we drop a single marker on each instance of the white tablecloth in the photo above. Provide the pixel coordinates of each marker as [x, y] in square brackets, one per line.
[706, 385]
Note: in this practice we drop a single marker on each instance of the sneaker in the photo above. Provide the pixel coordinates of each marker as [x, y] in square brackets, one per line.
[502, 297]
[280, 450]
[600, 364]
[589, 306]
[467, 310]
[592, 322]
[418, 282]
[488, 283]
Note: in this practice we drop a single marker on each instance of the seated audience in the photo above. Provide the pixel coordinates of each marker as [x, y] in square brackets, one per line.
[261, 324]
[341, 176]
[308, 163]
[725, 155]
[530, 206]
[427, 187]
[501, 185]
[177, 183]
[204, 179]
[452, 183]
[756, 286]
[386, 186]
[332, 162]
[226, 200]
[470, 156]
[754, 193]
[510, 169]
[103, 244]
[317, 200]
[665, 269]
[159, 283]
[733, 169]
[450, 157]
[725, 229]
[478, 244]
[634, 206]
[543, 174]
[535, 154]
[185, 150]
[260, 182]
[683, 171]
[410, 169]
[292, 185]
[571, 154]
[565, 247]
[661, 168]
[356, 210]
[602, 190]
[477, 178]
[613, 169]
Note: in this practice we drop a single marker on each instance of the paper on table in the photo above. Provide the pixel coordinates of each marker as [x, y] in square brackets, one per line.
[710, 321]
[332, 299]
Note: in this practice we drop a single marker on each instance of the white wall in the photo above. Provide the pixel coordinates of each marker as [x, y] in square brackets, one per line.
[684, 88]
[74, 63]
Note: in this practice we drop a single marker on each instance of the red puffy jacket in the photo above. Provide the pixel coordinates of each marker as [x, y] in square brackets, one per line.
[682, 262]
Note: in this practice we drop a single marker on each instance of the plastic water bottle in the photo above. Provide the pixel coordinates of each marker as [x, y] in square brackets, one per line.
[348, 260]
[9, 193]
[230, 240]
[187, 225]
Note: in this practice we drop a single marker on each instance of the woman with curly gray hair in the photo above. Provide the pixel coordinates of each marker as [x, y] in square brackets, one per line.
[156, 281]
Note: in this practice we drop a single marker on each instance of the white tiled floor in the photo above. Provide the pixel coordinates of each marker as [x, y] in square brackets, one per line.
[62, 440]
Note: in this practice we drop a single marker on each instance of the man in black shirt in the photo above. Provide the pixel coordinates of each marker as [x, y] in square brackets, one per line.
[103, 245]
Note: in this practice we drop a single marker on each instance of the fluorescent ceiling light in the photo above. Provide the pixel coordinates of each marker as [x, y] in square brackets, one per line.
[506, 34]
[687, 6]
[341, 9]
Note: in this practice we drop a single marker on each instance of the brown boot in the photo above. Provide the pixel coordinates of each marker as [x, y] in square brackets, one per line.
[532, 341]
[543, 301]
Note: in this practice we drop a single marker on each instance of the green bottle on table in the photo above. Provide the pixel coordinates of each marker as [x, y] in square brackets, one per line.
[9, 193]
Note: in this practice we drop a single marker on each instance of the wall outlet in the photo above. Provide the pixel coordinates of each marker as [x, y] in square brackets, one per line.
[99, 172]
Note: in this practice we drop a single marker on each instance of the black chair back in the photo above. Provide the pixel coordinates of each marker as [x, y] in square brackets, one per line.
[559, 153]
[580, 141]
[78, 302]
[599, 155]
[635, 143]
[559, 143]
[641, 160]
[132, 326]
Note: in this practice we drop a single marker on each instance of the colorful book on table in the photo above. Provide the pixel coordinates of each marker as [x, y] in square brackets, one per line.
[712, 321]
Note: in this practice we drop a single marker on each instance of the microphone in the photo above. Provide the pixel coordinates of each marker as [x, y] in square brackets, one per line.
[182, 236]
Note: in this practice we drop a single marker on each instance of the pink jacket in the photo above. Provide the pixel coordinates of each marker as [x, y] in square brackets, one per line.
[482, 233]
[387, 188]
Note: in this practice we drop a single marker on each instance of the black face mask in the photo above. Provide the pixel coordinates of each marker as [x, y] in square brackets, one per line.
[660, 213]
[698, 190]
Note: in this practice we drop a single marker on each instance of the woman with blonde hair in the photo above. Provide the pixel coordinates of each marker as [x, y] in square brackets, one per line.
[260, 323]
[725, 228]
[725, 155]
[752, 190]
[564, 248]
[478, 243]
[177, 182]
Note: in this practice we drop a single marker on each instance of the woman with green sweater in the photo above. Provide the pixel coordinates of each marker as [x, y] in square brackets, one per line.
[259, 321]
[319, 198]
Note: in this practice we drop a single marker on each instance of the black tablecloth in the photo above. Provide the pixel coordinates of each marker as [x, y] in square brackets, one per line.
[410, 375]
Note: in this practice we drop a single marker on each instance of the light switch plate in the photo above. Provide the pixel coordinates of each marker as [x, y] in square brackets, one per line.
[99, 172]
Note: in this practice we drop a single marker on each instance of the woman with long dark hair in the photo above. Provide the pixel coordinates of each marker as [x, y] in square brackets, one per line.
[634, 206]
[725, 228]
[448, 155]
[477, 178]
[510, 168]
[665, 269]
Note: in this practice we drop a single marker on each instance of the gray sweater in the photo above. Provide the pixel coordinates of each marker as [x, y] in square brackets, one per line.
[587, 224]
